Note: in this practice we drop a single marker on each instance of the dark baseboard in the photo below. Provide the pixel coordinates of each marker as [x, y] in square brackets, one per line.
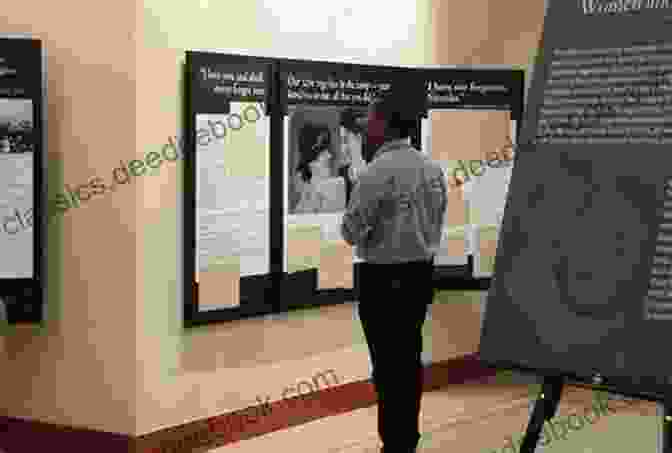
[19, 436]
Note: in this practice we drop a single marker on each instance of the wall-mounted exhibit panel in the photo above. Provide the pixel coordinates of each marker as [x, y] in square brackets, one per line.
[325, 107]
[277, 146]
[229, 171]
[317, 192]
[471, 128]
[22, 194]
[584, 261]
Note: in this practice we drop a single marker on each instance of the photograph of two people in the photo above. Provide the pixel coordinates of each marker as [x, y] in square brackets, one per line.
[327, 151]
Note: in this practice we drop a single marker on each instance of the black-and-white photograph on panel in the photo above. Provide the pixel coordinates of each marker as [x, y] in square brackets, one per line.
[325, 156]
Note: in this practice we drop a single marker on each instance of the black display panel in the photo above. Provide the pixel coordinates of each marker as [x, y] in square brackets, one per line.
[22, 194]
[324, 130]
[472, 126]
[254, 245]
[227, 207]
[476, 89]
[581, 284]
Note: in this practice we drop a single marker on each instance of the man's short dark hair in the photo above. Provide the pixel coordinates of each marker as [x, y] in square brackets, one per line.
[349, 120]
[401, 108]
[313, 139]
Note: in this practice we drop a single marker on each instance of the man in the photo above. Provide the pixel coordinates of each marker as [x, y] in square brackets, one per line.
[352, 140]
[394, 219]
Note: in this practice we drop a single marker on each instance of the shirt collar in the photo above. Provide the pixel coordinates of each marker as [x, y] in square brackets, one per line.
[392, 145]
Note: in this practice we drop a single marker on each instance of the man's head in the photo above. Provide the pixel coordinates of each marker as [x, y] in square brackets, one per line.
[394, 115]
[314, 149]
[350, 121]
[353, 132]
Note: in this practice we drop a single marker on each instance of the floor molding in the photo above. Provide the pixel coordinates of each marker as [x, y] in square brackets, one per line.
[19, 436]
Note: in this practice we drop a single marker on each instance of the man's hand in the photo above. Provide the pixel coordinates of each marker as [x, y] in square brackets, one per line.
[354, 229]
[353, 173]
[356, 169]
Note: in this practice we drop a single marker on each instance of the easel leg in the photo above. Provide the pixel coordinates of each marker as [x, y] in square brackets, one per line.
[666, 446]
[544, 409]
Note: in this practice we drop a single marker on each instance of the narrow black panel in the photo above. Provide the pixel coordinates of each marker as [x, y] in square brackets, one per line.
[276, 195]
[23, 197]
[190, 287]
[214, 83]
[298, 290]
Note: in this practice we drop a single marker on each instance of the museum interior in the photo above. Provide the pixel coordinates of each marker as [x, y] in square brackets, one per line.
[157, 334]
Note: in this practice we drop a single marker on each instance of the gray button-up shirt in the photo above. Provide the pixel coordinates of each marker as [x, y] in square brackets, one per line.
[398, 206]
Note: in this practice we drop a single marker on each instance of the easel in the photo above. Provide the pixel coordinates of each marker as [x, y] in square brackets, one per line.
[546, 407]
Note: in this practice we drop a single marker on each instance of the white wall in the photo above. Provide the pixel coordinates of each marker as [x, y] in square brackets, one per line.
[370, 31]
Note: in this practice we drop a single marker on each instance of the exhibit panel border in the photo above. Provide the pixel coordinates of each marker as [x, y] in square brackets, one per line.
[477, 89]
[213, 82]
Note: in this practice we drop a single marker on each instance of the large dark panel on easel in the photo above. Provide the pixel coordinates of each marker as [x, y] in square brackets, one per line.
[582, 268]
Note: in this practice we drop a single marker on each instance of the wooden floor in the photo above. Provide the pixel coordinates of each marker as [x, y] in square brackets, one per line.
[474, 417]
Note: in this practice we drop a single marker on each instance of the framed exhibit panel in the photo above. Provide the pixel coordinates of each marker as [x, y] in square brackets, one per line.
[584, 259]
[228, 215]
[277, 145]
[22, 188]
[471, 127]
[324, 145]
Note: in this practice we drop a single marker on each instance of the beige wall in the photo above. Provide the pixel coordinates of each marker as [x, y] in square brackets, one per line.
[224, 367]
[214, 369]
[114, 346]
[487, 32]
[80, 368]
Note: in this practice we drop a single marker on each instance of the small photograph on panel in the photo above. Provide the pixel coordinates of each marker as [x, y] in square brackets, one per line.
[17, 146]
[16, 126]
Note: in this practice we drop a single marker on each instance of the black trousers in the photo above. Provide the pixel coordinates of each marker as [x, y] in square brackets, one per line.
[393, 302]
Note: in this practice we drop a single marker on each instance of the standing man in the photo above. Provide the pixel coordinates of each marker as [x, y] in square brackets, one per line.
[395, 219]
[352, 137]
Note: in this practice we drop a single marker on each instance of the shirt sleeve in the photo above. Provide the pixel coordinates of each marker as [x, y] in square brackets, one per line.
[444, 201]
[361, 215]
[436, 200]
